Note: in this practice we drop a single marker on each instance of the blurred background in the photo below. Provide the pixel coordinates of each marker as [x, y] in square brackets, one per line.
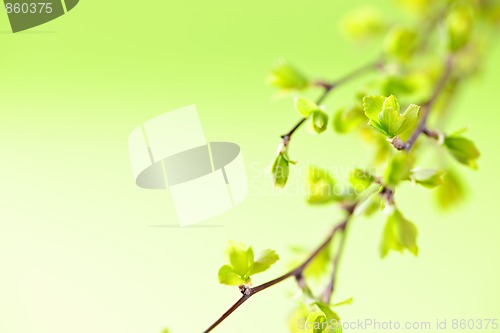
[82, 249]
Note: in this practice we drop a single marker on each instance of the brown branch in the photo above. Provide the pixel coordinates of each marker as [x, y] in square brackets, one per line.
[248, 292]
[327, 294]
[329, 87]
[426, 109]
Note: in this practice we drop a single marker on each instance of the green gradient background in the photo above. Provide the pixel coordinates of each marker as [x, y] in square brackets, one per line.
[81, 247]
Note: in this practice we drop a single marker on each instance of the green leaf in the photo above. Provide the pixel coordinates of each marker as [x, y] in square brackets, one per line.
[401, 43]
[373, 105]
[319, 121]
[429, 178]
[347, 119]
[316, 322]
[451, 192]
[305, 106]
[227, 275]
[242, 265]
[321, 186]
[463, 150]
[326, 309]
[345, 302]
[364, 23]
[286, 77]
[361, 179]
[399, 234]
[264, 262]
[240, 257]
[410, 118]
[281, 170]
[459, 26]
[385, 117]
[398, 169]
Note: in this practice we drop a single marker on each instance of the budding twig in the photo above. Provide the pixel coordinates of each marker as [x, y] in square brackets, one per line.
[329, 87]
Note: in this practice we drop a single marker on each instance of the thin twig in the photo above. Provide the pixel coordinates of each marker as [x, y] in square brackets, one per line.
[327, 294]
[327, 88]
[248, 292]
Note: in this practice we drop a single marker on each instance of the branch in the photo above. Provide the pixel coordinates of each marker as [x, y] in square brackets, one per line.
[298, 272]
[328, 87]
[327, 294]
[426, 109]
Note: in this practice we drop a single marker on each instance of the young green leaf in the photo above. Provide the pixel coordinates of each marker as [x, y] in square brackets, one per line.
[459, 26]
[463, 150]
[286, 77]
[451, 192]
[305, 106]
[383, 114]
[321, 186]
[364, 23]
[398, 169]
[373, 105]
[242, 264]
[316, 322]
[344, 302]
[240, 257]
[429, 178]
[264, 262]
[361, 179]
[347, 119]
[281, 170]
[227, 275]
[326, 309]
[319, 121]
[401, 43]
[399, 234]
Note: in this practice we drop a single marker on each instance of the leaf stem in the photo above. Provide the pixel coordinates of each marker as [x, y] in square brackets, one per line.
[248, 292]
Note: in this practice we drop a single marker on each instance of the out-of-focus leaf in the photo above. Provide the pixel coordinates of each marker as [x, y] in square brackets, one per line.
[321, 186]
[344, 302]
[401, 43]
[347, 119]
[398, 169]
[429, 178]
[305, 106]
[463, 150]
[281, 170]
[316, 322]
[361, 179]
[287, 77]
[319, 121]
[326, 309]
[363, 23]
[399, 235]
[451, 192]
[459, 25]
